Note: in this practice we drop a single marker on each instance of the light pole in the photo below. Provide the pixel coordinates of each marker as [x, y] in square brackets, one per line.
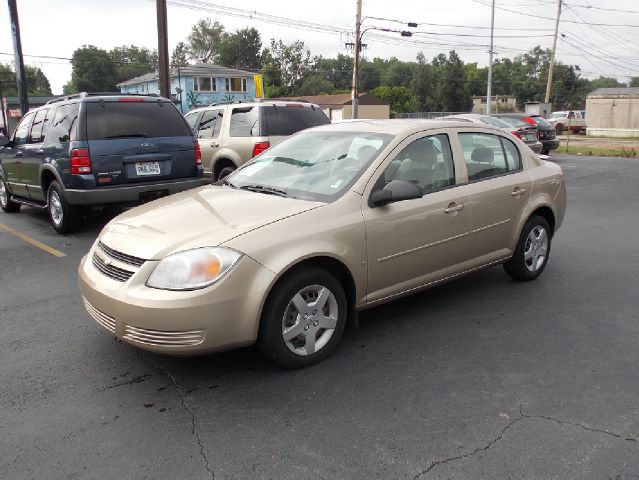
[490, 63]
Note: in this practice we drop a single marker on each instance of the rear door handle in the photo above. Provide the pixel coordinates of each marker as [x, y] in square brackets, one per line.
[215, 145]
[18, 153]
[40, 151]
[518, 191]
[453, 207]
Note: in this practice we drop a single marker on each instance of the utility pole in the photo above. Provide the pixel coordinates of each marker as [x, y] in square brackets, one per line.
[17, 55]
[552, 55]
[163, 50]
[490, 63]
[358, 46]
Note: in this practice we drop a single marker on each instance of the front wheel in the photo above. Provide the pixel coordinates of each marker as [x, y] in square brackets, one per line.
[64, 217]
[5, 199]
[303, 318]
[532, 252]
[225, 172]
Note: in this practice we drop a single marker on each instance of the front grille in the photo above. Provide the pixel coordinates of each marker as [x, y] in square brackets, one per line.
[122, 257]
[102, 318]
[187, 338]
[111, 271]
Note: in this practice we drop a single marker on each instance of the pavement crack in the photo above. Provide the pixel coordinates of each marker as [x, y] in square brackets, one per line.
[194, 430]
[469, 454]
[579, 425]
[138, 379]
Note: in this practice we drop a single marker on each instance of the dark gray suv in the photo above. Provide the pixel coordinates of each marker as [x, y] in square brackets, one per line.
[97, 150]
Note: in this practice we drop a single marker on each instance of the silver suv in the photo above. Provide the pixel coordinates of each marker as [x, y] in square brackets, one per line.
[232, 133]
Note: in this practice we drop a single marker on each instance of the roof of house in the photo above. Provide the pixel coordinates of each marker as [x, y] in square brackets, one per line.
[198, 69]
[616, 91]
[339, 99]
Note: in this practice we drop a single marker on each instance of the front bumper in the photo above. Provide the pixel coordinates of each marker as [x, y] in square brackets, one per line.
[129, 193]
[222, 316]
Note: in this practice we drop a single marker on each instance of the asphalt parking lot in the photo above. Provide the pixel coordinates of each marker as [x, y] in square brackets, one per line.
[479, 378]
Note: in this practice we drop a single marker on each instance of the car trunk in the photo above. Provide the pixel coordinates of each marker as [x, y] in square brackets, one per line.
[132, 141]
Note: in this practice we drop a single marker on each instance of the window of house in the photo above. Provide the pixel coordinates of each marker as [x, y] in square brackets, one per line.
[204, 84]
[236, 85]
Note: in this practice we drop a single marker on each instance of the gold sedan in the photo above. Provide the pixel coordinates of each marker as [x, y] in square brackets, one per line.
[332, 220]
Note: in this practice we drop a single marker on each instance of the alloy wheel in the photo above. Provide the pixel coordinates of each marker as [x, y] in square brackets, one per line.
[309, 320]
[536, 249]
[55, 208]
[4, 197]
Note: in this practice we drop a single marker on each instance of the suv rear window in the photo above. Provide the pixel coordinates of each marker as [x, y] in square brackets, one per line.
[287, 120]
[106, 120]
[541, 121]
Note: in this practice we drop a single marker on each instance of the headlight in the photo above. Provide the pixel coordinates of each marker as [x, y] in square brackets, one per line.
[193, 269]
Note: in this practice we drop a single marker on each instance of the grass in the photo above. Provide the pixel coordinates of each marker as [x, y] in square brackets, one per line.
[621, 151]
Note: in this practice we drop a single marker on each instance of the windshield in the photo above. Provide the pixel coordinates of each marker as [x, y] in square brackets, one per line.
[318, 166]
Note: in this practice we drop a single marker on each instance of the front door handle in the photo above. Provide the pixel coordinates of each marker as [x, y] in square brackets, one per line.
[453, 207]
[215, 145]
[40, 151]
[518, 191]
[19, 153]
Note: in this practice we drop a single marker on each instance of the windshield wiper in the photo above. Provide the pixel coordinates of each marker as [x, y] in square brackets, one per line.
[128, 135]
[264, 189]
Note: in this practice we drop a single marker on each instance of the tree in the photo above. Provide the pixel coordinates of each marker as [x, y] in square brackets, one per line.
[338, 70]
[131, 61]
[453, 94]
[423, 85]
[634, 82]
[36, 80]
[400, 98]
[242, 49]
[92, 70]
[286, 65]
[316, 85]
[205, 41]
[179, 56]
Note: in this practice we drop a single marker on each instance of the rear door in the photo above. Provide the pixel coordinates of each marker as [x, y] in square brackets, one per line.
[138, 140]
[208, 136]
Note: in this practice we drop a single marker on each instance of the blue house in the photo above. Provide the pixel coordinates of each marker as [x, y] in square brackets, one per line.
[201, 84]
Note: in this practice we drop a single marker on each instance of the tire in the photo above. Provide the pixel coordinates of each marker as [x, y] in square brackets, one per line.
[559, 129]
[5, 199]
[293, 336]
[64, 217]
[532, 252]
[545, 151]
[225, 172]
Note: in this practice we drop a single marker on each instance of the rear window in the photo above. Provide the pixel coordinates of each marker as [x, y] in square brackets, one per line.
[495, 122]
[515, 122]
[541, 121]
[287, 120]
[245, 122]
[108, 120]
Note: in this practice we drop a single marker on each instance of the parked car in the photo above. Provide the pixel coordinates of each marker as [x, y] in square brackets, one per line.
[330, 221]
[546, 131]
[232, 133]
[527, 133]
[576, 119]
[95, 150]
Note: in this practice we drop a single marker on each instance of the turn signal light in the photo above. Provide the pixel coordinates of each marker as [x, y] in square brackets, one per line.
[260, 147]
[80, 161]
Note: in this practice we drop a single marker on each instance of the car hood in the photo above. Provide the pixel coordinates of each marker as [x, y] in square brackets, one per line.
[206, 216]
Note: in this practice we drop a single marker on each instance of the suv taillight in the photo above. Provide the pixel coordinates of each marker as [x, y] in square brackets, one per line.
[80, 161]
[198, 153]
[260, 147]
[516, 133]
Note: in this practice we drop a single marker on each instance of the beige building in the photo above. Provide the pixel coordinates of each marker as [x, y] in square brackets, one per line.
[498, 104]
[613, 112]
[340, 107]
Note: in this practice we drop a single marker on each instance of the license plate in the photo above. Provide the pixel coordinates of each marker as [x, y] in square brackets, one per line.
[531, 137]
[147, 168]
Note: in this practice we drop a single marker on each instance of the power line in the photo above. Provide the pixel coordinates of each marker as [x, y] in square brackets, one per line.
[459, 26]
[589, 7]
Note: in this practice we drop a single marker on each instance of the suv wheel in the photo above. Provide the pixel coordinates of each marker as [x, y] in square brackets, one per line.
[64, 217]
[533, 249]
[303, 318]
[5, 202]
[225, 172]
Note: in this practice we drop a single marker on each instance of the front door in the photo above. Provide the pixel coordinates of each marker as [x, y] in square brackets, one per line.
[14, 157]
[208, 136]
[414, 242]
[34, 155]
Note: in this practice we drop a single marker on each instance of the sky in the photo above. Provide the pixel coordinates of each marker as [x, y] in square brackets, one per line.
[56, 28]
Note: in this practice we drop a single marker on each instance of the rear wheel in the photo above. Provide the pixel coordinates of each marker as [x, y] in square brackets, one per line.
[5, 199]
[303, 318]
[225, 172]
[64, 217]
[532, 252]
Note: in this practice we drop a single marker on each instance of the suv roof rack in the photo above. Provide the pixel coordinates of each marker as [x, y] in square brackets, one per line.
[99, 94]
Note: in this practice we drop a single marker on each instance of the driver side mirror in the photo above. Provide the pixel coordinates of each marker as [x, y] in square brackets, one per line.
[395, 191]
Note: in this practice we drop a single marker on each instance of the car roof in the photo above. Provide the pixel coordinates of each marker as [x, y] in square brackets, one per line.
[402, 126]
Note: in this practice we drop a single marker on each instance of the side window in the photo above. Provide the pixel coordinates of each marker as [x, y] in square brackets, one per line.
[191, 119]
[62, 128]
[21, 135]
[426, 162]
[245, 122]
[38, 129]
[210, 124]
[484, 155]
[513, 158]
